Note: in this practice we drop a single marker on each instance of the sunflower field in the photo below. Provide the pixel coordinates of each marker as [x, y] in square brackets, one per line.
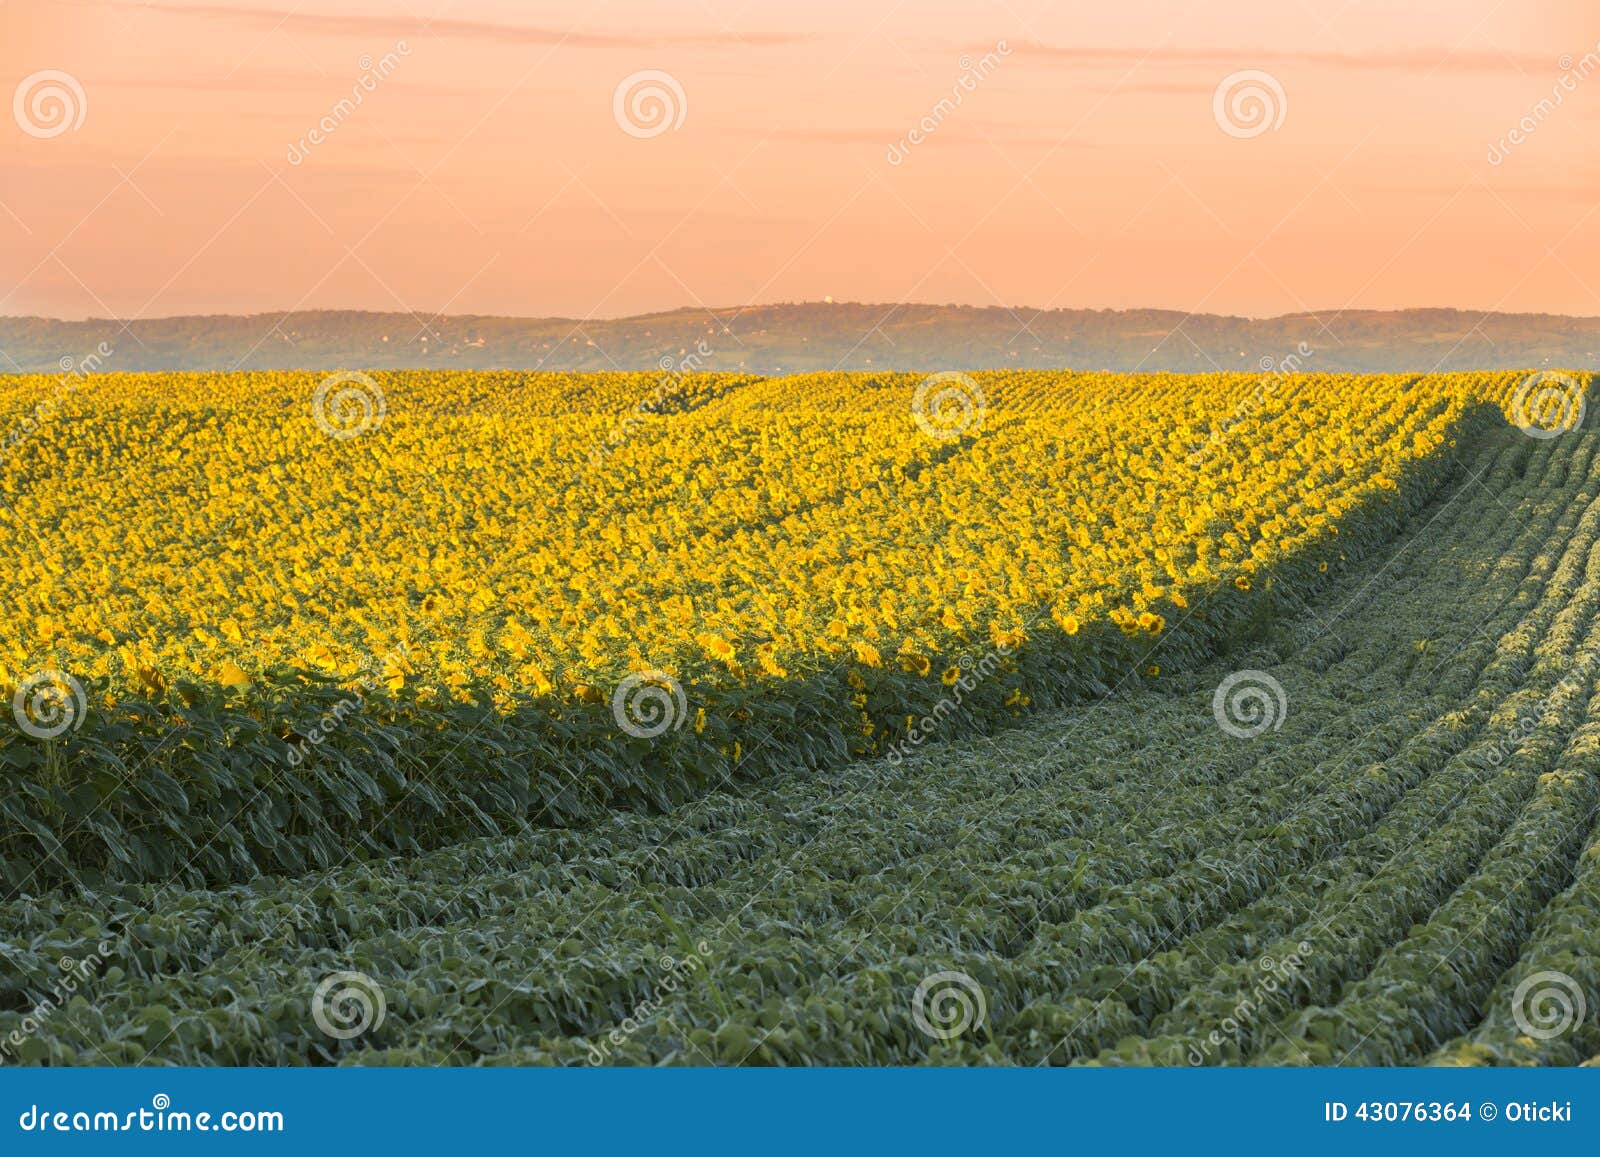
[840, 719]
[260, 620]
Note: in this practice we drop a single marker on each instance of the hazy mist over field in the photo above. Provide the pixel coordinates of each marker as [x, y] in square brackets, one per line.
[822, 336]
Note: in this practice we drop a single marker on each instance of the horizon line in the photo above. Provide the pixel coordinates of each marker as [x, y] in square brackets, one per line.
[736, 310]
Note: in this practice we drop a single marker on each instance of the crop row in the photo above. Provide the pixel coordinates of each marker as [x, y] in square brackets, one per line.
[1412, 860]
[1111, 883]
[284, 767]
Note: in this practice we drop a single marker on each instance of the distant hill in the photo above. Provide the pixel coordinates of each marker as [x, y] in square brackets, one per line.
[815, 336]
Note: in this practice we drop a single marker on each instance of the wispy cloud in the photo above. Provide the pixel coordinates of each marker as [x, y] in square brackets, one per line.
[278, 82]
[393, 27]
[974, 134]
[1418, 60]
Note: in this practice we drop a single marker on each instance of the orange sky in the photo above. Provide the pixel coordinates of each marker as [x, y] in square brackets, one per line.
[1084, 165]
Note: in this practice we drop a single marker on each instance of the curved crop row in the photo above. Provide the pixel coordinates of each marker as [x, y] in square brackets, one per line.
[445, 610]
[1123, 882]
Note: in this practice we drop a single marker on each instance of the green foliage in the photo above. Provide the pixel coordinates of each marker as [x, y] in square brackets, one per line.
[207, 784]
[1125, 883]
